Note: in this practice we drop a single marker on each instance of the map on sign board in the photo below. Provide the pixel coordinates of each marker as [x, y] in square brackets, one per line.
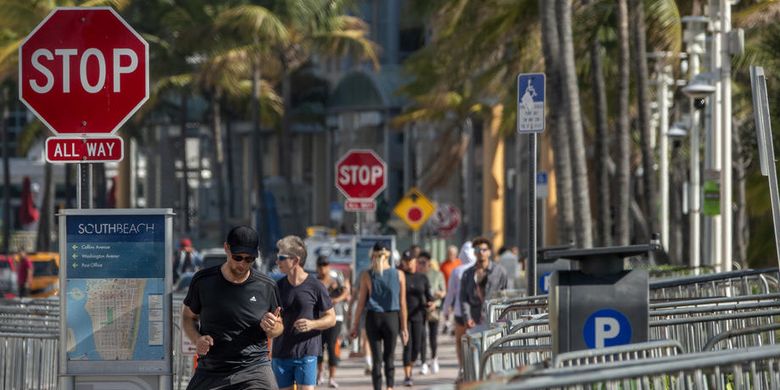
[115, 284]
[115, 319]
[530, 103]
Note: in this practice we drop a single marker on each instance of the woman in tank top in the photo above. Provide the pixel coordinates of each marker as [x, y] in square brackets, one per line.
[383, 294]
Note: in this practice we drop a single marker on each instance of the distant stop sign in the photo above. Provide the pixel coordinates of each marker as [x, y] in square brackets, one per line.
[84, 70]
[361, 174]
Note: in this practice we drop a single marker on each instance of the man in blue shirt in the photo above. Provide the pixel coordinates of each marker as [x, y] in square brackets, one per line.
[306, 311]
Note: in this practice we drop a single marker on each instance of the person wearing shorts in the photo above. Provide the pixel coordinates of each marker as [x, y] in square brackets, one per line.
[307, 310]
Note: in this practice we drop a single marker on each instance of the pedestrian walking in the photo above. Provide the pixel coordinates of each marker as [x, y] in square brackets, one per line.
[418, 300]
[307, 310]
[429, 268]
[187, 260]
[449, 264]
[24, 273]
[452, 299]
[229, 313]
[338, 290]
[480, 282]
[383, 294]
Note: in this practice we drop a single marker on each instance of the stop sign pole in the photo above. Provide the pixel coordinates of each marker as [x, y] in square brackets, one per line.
[83, 72]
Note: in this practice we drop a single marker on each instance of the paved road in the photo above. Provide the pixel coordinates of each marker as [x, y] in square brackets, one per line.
[351, 374]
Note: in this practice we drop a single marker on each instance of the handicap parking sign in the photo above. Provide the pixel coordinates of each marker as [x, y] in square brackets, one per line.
[606, 328]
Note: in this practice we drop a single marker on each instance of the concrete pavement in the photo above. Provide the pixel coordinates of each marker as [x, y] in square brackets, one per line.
[351, 375]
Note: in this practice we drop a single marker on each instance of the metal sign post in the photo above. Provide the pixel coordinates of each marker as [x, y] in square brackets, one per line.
[84, 186]
[530, 120]
[766, 148]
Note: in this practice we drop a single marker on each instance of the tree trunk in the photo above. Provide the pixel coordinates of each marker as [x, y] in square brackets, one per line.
[742, 220]
[219, 157]
[623, 155]
[285, 141]
[556, 122]
[6, 172]
[231, 203]
[604, 213]
[43, 243]
[185, 186]
[649, 195]
[258, 156]
[493, 177]
[571, 107]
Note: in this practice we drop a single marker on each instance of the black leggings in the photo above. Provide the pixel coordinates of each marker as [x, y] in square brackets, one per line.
[329, 340]
[413, 347]
[382, 332]
[432, 340]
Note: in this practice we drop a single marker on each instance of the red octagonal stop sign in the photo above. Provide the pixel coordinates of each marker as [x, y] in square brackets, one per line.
[84, 71]
[361, 174]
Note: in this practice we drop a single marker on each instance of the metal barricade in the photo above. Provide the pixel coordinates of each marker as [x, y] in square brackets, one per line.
[513, 351]
[494, 307]
[753, 368]
[745, 282]
[650, 349]
[28, 361]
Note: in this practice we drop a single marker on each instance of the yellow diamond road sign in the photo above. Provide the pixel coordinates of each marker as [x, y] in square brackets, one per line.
[414, 209]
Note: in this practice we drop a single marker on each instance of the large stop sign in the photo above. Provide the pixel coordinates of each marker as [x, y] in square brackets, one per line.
[361, 174]
[84, 71]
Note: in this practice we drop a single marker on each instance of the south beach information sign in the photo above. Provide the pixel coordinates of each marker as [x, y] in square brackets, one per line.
[115, 277]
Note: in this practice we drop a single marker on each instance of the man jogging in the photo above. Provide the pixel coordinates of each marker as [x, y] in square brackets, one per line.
[307, 310]
[229, 313]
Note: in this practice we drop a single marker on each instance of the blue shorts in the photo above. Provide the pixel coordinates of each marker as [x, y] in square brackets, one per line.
[301, 371]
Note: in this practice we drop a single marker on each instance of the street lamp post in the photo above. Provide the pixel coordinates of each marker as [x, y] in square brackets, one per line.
[663, 80]
[697, 89]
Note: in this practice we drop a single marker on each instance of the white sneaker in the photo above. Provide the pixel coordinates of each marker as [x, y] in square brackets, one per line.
[435, 365]
[424, 369]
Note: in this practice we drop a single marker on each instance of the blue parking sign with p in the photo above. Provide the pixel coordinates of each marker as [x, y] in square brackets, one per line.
[606, 328]
[530, 103]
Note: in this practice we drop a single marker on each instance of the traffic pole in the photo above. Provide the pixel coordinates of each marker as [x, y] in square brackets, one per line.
[531, 269]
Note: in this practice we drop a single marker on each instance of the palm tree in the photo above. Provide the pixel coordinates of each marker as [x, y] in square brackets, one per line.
[602, 138]
[571, 106]
[649, 198]
[623, 155]
[557, 121]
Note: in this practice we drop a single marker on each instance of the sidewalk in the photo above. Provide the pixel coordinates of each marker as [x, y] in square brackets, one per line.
[351, 374]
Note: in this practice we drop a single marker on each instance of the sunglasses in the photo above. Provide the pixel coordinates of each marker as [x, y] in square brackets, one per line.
[483, 249]
[283, 257]
[248, 259]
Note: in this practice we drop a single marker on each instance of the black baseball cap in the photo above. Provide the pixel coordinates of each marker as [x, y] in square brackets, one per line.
[381, 246]
[243, 239]
[408, 255]
[322, 261]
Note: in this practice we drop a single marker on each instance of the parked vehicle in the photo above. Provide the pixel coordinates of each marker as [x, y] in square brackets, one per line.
[46, 270]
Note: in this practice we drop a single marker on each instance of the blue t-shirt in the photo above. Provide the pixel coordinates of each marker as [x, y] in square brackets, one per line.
[309, 300]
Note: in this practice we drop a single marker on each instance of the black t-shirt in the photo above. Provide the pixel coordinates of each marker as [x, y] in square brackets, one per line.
[230, 313]
[308, 300]
[418, 293]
